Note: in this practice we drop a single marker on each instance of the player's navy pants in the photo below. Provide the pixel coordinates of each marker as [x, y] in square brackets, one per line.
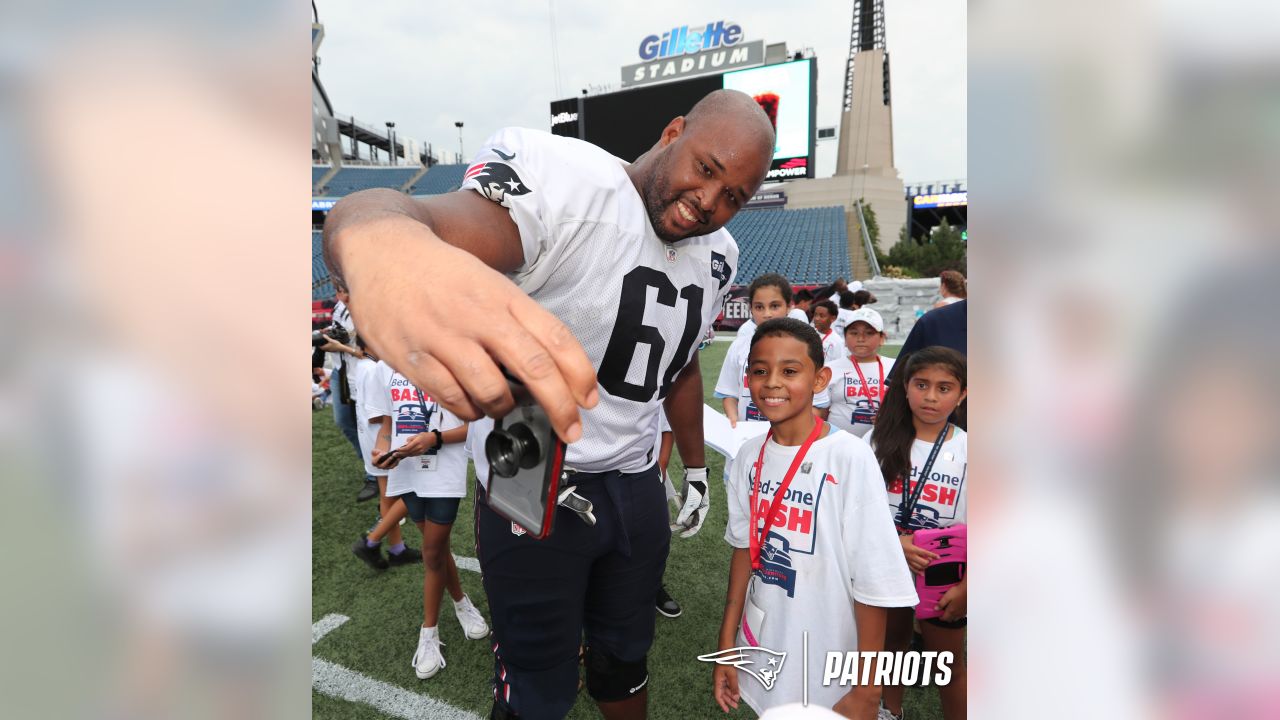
[545, 594]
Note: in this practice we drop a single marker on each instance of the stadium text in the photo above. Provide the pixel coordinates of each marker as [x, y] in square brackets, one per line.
[680, 41]
[564, 117]
[782, 172]
[685, 65]
[890, 668]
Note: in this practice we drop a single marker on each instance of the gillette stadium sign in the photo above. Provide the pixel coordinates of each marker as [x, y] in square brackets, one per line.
[689, 51]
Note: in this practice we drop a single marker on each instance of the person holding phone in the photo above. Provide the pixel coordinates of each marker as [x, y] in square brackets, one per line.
[421, 445]
[590, 279]
[924, 457]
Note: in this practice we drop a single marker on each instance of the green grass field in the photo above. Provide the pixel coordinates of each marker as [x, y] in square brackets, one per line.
[386, 607]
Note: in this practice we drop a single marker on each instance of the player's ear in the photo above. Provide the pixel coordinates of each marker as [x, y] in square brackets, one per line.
[821, 380]
[672, 131]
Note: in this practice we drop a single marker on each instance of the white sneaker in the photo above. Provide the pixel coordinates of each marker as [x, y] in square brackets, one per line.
[427, 660]
[473, 624]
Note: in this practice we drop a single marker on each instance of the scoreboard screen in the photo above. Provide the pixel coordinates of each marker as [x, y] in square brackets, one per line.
[628, 123]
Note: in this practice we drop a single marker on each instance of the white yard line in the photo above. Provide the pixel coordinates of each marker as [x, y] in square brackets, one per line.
[331, 679]
[326, 625]
[467, 563]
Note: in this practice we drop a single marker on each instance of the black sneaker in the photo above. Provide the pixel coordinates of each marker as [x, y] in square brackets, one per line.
[372, 556]
[408, 556]
[369, 491]
[666, 604]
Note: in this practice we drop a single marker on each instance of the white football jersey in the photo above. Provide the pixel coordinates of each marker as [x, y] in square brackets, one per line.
[638, 305]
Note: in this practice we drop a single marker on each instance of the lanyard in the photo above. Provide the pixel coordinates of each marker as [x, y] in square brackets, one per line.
[867, 388]
[758, 539]
[824, 337]
[910, 496]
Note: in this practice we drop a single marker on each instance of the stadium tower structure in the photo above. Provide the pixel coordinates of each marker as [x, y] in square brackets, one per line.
[864, 160]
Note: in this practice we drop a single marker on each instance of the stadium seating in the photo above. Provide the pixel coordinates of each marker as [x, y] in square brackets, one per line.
[439, 179]
[353, 179]
[321, 288]
[806, 246]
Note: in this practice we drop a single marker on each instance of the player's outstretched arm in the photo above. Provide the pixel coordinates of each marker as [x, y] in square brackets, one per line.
[428, 294]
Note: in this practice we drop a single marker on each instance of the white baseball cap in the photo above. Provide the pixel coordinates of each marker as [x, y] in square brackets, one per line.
[868, 316]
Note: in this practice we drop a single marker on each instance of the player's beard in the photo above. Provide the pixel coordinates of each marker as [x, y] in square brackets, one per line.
[656, 202]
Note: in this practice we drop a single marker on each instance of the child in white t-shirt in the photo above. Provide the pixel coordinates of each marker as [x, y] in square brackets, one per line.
[814, 550]
[858, 379]
[770, 297]
[824, 317]
[421, 443]
[366, 388]
[916, 411]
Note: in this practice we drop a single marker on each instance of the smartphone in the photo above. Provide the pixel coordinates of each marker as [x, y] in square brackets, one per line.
[383, 459]
[951, 546]
[526, 459]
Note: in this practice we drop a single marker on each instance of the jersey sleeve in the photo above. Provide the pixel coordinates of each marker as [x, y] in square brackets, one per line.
[513, 169]
[878, 569]
[738, 490]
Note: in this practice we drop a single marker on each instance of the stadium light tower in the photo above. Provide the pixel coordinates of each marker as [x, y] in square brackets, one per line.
[461, 155]
[391, 138]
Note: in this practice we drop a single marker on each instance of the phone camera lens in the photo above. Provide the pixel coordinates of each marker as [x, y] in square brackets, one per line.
[513, 448]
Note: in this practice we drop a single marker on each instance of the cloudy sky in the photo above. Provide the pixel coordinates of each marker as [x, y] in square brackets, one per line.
[428, 64]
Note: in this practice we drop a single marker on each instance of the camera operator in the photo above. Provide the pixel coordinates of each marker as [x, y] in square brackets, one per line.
[337, 349]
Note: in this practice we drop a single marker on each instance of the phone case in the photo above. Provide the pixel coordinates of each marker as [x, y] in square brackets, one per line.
[529, 498]
[951, 546]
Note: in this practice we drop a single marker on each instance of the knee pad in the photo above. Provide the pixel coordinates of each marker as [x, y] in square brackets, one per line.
[610, 679]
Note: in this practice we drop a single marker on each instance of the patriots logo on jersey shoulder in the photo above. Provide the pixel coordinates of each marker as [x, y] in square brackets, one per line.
[497, 181]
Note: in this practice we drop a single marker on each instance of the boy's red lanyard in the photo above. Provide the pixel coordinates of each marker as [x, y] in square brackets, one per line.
[866, 388]
[824, 337]
[756, 540]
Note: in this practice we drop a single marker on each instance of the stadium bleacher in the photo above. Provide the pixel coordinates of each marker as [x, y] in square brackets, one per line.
[805, 246]
[809, 246]
[439, 179]
[321, 288]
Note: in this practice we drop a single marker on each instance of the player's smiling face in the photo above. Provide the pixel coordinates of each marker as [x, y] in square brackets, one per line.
[783, 380]
[701, 180]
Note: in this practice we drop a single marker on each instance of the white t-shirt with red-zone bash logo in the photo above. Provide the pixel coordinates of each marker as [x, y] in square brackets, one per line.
[441, 474]
[944, 501]
[638, 305]
[854, 406]
[832, 544]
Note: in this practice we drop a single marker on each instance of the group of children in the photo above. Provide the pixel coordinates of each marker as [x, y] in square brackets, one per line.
[822, 541]
[824, 507]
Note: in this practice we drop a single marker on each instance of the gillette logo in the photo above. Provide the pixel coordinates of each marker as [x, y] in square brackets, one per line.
[683, 41]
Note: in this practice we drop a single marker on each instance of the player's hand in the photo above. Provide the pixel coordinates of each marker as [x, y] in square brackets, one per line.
[419, 444]
[696, 503]
[445, 320]
[917, 557]
[954, 603]
[724, 681]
